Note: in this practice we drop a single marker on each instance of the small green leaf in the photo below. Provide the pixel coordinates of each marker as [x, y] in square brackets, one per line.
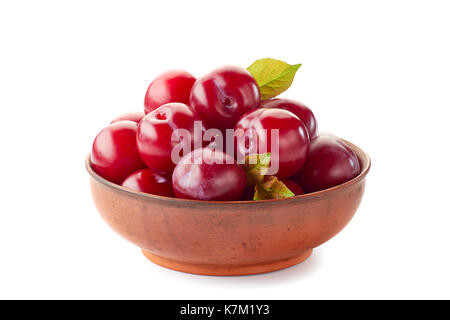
[266, 187]
[272, 188]
[256, 166]
[273, 76]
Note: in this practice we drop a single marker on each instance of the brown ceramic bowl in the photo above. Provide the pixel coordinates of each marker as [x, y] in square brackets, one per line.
[232, 237]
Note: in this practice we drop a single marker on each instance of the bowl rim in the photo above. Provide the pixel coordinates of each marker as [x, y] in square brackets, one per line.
[363, 158]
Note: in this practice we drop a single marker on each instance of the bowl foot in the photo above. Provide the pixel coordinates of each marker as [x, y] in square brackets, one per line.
[230, 270]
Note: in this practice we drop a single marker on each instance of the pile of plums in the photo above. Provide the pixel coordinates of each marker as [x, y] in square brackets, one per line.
[137, 149]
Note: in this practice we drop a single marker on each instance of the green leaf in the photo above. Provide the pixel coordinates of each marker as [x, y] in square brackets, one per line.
[272, 188]
[266, 187]
[272, 76]
[256, 167]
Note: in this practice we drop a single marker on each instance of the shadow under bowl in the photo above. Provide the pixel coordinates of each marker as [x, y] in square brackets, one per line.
[228, 237]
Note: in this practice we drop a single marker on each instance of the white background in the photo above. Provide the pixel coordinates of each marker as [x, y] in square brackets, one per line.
[374, 72]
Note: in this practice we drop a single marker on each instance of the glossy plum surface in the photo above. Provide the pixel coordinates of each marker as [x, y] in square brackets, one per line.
[293, 142]
[114, 153]
[170, 86]
[148, 181]
[330, 163]
[224, 95]
[294, 187]
[207, 175]
[300, 110]
[154, 136]
[131, 116]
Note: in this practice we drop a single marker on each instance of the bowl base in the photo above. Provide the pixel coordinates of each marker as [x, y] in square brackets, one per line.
[230, 270]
